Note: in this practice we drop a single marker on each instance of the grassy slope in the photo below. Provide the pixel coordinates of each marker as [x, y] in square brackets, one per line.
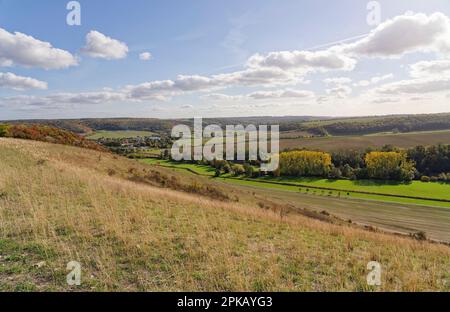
[59, 204]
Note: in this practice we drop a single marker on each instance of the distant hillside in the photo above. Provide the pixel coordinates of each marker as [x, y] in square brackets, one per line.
[368, 125]
[131, 231]
[86, 126]
[46, 133]
[319, 126]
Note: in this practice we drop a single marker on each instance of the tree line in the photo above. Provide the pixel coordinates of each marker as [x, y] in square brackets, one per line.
[389, 163]
[430, 163]
[406, 123]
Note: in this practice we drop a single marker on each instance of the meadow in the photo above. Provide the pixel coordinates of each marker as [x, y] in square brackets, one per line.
[194, 168]
[119, 134]
[61, 203]
[432, 190]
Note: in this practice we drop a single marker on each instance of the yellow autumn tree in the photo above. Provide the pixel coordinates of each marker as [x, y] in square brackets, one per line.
[305, 163]
[389, 165]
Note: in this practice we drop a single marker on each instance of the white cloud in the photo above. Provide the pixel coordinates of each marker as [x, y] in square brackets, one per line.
[415, 86]
[385, 100]
[145, 56]
[304, 61]
[260, 95]
[100, 46]
[12, 81]
[60, 99]
[419, 98]
[24, 50]
[221, 97]
[404, 34]
[257, 76]
[340, 92]
[337, 81]
[373, 80]
[437, 68]
[192, 83]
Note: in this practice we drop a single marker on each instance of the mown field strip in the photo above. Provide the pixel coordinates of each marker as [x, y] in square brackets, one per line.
[342, 190]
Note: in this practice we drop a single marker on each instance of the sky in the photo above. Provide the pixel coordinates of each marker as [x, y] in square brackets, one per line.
[223, 58]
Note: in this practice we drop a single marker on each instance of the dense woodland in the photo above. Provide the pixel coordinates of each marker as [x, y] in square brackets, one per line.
[359, 126]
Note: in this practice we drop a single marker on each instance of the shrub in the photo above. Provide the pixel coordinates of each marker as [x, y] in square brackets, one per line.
[3, 130]
[347, 171]
[227, 168]
[335, 173]
[425, 179]
[421, 236]
[238, 169]
[111, 172]
[361, 173]
[443, 177]
[249, 171]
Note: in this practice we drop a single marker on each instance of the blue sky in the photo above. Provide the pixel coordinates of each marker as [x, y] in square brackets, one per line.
[206, 39]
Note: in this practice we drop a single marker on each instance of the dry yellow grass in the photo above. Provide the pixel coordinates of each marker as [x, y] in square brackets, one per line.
[59, 204]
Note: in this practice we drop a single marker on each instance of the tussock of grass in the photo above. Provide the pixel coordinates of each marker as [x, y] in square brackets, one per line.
[60, 204]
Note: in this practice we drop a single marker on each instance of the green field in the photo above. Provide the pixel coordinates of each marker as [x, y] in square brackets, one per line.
[197, 169]
[337, 193]
[413, 189]
[119, 134]
[386, 191]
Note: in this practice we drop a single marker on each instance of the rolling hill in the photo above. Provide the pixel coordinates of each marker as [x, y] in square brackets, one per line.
[136, 227]
[306, 125]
